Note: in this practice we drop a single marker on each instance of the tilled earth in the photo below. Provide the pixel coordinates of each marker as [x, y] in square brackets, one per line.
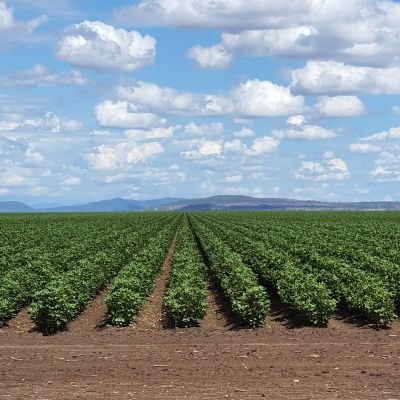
[343, 361]
[217, 360]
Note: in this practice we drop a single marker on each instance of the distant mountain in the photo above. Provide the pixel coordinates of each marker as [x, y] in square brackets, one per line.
[114, 205]
[253, 203]
[14, 207]
[208, 203]
[45, 205]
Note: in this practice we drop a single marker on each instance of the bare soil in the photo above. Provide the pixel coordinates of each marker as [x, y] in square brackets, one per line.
[343, 361]
[153, 314]
[217, 360]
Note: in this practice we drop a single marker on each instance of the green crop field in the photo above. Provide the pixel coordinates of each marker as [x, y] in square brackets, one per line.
[315, 262]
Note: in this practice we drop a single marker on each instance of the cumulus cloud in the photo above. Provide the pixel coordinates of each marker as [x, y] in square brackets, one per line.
[266, 99]
[49, 122]
[337, 78]
[12, 30]
[234, 146]
[305, 132]
[233, 178]
[42, 76]
[364, 32]
[391, 134]
[122, 155]
[253, 98]
[299, 129]
[122, 114]
[329, 169]
[263, 145]
[364, 148]
[204, 148]
[206, 14]
[339, 106]
[170, 101]
[296, 120]
[387, 167]
[155, 133]
[212, 129]
[93, 44]
[212, 57]
[71, 181]
[243, 133]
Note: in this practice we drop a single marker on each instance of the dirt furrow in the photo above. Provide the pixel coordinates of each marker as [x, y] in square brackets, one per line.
[153, 314]
[93, 318]
[20, 324]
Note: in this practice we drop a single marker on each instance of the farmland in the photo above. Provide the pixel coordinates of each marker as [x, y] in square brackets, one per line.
[174, 279]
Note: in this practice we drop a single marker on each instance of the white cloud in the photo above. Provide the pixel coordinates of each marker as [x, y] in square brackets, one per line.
[212, 57]
[391, 134]
[234, 146]
[6, 16]
[100, 46]
[212, 129]
[12, 30]
[286, 42]
[71, 181]
[364, 148]
[265, 99]
[336, 78]
[42, 76]
[170, 101]
[230, 14]
[305, 132]
[243, 133]
[330, 169]
[387, 167]
[155, 133]
[253, 98]
[210, 148]
[233, 179]
[339, 106]
[364, 32]
[122, 155]
[122, 114]
[298, 129]
[32, 155]
[263, 145]
[49, 122]
[296, 120]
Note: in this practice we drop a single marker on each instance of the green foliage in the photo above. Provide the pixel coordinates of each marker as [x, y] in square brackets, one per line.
[248, 299]
[68, 293]
[186, 298]
[135, 282]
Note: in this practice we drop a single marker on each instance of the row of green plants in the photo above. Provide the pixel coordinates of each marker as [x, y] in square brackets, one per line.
[186, 297]
[19, 285]
[136, 280]
[249, 300]
[353, 239]
[357, 289]
[298, 290]
[69, 294]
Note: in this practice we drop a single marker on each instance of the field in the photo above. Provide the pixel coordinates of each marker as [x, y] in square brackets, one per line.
[200, 305]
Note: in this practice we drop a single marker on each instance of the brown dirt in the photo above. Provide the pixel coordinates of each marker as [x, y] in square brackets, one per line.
[153, 314]
[219, 314]
[283, 360]
[94, 317]
[342, 362]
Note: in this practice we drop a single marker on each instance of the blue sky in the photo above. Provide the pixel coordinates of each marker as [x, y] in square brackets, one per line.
[153, 98]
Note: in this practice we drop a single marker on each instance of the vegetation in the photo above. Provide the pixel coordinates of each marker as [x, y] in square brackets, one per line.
[315, 262]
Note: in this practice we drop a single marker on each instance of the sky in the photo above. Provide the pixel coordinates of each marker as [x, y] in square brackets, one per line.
[152, 98]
